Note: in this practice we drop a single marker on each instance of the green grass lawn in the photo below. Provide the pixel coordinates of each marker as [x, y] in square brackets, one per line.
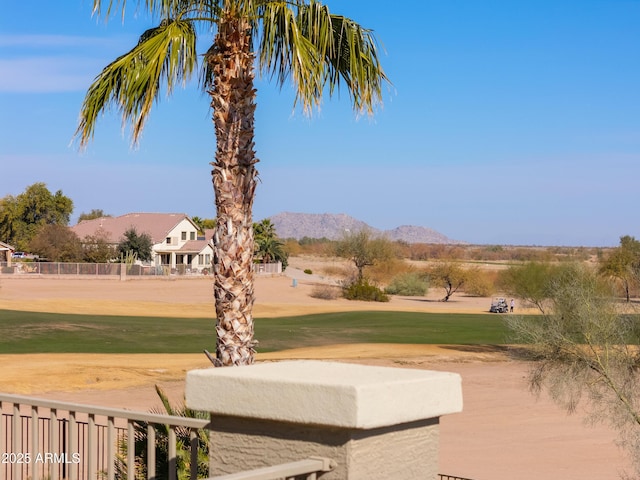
[30, 332]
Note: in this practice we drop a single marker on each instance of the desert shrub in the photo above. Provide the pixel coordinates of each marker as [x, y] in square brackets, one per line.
[325, 292]
[410, 283]
[340, 271]
[384, 271]
[363, 290]
[480, 283]
[308, 271]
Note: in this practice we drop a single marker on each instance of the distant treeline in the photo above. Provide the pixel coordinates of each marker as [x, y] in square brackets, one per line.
[477, 253]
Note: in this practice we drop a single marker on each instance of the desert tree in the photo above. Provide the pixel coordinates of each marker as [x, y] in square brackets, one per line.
[448, 275]
[583, 348]
[364, 249]
[296, 41]
[531, 282]
[623, 264]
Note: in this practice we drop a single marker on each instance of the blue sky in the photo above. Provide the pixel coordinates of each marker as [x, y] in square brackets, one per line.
[508, 122]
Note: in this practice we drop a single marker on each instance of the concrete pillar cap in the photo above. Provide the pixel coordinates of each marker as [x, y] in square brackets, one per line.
[325, 393]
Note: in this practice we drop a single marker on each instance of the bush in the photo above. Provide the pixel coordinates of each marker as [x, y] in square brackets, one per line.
[308, 271]
[363, 290]
[479, 283]
[325, 292]
[383, 272]
[411, 284]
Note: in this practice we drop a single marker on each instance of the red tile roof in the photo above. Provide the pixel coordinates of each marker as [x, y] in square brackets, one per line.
[156, 225]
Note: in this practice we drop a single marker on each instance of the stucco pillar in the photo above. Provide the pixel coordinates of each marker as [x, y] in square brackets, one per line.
[374, 422]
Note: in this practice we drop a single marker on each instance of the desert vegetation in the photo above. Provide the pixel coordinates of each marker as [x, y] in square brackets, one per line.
[472, 270]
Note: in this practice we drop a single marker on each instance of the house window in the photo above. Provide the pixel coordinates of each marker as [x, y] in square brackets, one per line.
[192, 235]
[201, 259]
[168, 240]
[207, 259]
[184, 235]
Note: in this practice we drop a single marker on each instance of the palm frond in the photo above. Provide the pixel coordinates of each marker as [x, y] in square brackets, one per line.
[285, 52]
[165, 54]
[161, 8]
[319, 50]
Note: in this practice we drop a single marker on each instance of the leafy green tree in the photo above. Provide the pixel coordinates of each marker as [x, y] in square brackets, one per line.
[448, 275]
[93, 214]
[9, 219]
[364, 250]
[22, 216]
[583, 348]
[623, 264]
[56, 243]
[138, 244]
[298, 41]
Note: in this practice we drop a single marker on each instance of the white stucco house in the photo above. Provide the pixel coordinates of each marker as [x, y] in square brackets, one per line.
[5, 252]
[177, 244]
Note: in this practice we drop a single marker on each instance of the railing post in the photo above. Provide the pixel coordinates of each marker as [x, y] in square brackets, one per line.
[131, 451]
[111, 455]
[16, 433]
[173, 466]
[54, 430]
[151, 451]
[193, 437]
[374, 422]
[90, 454]
[73, 446]
[35, 440]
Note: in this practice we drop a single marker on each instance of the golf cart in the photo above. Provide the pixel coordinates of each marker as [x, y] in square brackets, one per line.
[499, 305]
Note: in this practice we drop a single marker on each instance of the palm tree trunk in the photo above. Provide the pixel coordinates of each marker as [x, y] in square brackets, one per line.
[234, 182]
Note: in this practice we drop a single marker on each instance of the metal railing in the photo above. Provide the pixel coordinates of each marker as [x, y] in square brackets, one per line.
[42, 439]
[308, 468]
[442, 476]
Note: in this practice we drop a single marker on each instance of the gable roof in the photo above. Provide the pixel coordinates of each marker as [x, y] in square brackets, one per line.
[6, 246]
[156, 225]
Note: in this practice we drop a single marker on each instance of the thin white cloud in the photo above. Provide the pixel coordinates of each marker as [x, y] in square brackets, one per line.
[59, 41]
[46, 74]
[55, 63]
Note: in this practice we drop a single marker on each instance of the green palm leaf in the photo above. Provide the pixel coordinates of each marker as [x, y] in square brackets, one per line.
[132, 82]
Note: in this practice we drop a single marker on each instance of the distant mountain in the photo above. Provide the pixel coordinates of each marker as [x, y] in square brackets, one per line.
[334, 226]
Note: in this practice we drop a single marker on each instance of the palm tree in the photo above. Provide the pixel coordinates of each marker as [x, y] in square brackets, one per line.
[265, 228]
[268, 247]
[293, 40]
